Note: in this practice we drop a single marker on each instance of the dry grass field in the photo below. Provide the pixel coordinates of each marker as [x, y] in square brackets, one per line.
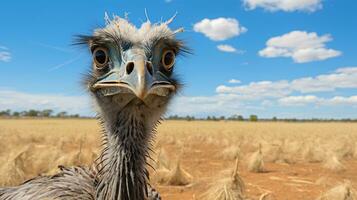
[197, 159]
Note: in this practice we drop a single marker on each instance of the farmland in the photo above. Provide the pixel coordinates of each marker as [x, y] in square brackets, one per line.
[276, 160]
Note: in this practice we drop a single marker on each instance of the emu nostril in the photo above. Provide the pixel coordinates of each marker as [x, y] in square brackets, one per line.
[129, 67]
[149, 67]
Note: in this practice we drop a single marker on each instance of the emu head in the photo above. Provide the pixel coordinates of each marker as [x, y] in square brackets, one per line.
[133, 67]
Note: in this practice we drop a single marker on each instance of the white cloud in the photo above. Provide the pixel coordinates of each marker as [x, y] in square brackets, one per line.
[229, 49]
[339, 100]
[220, 104]
[226, 48]
[15, 100]
[220, 28]
[342, 78]
[284, 5]
[234, 81]
[301, 46]
[276, 97]
[308, 55]
[347, 70]
[258, 90]
[312, 99]
[267, 103]
[5, 55]
[230, 104]
[298, 100]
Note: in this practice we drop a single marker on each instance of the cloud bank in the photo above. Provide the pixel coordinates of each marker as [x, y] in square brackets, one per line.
[284, 5]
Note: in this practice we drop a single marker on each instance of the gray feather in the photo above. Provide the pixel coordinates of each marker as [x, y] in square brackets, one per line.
[70, 183]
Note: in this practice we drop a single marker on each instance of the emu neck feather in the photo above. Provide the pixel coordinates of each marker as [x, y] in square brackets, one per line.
[123, 174]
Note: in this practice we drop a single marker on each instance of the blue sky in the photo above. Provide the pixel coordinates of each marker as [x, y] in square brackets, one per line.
[279, 58]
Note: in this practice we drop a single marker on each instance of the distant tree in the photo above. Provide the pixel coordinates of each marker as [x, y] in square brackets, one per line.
[32, 113]
[62, 114]
[275, 119]
[236, 118]
[240, 118]
[5, 113]
[174, 117]
[23, 113]
[46, 113]
[208, 118]
[189, 118]
[16, 114]
[291, 120]
[233, 117]
[222, 118]
[75, 116]
[253, 118]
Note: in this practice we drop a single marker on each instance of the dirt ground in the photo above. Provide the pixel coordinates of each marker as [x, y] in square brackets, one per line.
[283, 181]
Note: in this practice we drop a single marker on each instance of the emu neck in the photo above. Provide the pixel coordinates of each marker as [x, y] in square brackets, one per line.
[123, 174]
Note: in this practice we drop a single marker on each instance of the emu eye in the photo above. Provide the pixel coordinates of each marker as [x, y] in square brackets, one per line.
[100, 57]
[168, 59]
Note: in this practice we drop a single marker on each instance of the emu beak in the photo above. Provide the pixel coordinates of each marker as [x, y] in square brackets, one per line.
[135, 79]
[138, 78]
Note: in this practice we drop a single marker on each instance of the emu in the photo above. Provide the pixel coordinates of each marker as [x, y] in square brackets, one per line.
[132, 81]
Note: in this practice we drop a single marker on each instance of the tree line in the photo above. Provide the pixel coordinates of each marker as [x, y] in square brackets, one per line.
[37, 113]
[254, 118]
[214, 118]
